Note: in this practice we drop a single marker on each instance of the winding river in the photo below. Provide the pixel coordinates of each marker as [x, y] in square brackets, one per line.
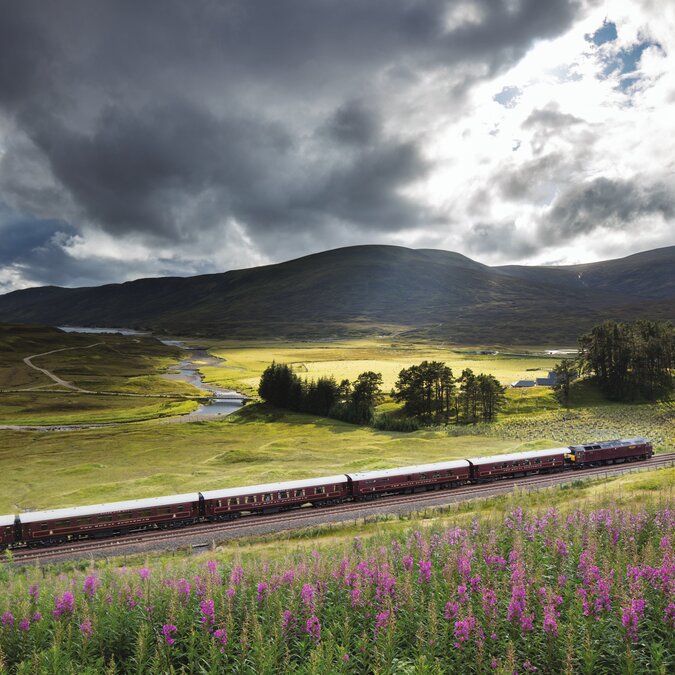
[223, 401]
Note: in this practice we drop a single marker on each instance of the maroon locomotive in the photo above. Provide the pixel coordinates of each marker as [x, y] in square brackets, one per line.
[609, 452]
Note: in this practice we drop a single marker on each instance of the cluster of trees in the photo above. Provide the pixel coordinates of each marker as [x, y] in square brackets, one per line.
[349, 401]
[430, 393]
[630, 360]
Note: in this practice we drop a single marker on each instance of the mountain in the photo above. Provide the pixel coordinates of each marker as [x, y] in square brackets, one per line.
[371, 289]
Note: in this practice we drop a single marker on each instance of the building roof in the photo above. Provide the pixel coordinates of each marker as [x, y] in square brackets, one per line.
[404, 470]
[112, 507]
[524, 383]
[513, 457]
[272, 487]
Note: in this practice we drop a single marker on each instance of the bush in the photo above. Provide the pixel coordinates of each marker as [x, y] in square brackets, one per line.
[395, 422]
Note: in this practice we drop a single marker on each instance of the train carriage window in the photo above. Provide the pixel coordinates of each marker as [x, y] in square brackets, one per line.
[423, 476]
[165, 510]
[320, 490]
[300, 493]
[436, 474]
[267, 497]
[62, 523]
[283, 494]
[233, 501]
[250, 499]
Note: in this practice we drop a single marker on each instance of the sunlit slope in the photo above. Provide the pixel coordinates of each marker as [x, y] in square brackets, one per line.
[370, 290]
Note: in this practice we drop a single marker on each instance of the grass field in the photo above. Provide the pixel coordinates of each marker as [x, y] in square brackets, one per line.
[256, 445]
[122, 364]
[39, 470]
[244, 362]
[58, 469]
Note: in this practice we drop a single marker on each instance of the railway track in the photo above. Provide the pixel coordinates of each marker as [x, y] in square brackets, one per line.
[209, 533]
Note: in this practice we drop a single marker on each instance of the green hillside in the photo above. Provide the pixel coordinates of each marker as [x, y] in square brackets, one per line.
[365, 290]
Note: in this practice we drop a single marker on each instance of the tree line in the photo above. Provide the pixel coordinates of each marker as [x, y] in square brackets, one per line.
[348, 401]
[429, 392]
[630, 361]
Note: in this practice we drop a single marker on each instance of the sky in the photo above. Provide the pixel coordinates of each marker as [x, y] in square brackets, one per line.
[181, 137]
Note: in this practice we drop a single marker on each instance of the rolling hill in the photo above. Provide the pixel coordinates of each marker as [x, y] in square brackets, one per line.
[371, 289]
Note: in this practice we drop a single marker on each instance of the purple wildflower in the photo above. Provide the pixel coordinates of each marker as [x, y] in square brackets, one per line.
[237, 575]
[91, 583]
[208, 611]
[287, 621]
[7, 619]
[307, 595]
[313, 628]
[631, 615]
[86, 629]
[168, 630]
[144, 573]
[183, 586]
[64, 605]
[34, 591]
[261, 591]
[425, 571]
[407, 563]
[451, 610]
[220, 636]
[24, 625]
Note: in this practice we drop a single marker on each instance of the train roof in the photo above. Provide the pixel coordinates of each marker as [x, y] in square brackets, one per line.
[6, 520]
[403, 470]
[272, 487]
[609, 444]
[95, 509]
[515, 456]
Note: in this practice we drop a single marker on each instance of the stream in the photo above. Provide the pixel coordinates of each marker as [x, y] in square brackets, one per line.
[223, 402]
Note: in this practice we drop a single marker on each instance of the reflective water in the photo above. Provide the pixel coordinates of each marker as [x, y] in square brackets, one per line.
[224, 401]
[100, 331]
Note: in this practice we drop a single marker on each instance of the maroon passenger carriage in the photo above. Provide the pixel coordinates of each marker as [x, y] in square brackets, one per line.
[102, 520]
[231, 503]
[407, 479]
[609, 452]
[517, 464]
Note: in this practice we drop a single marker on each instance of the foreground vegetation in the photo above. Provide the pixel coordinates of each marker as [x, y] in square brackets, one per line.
[575, 580]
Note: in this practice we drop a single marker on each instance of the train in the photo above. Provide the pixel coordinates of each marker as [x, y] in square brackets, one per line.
[60, 526]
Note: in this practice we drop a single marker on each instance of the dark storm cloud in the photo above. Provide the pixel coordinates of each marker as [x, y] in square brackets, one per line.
[504, 239]
[550, 118]
[524, 183]
[607, 203]
[164, 120]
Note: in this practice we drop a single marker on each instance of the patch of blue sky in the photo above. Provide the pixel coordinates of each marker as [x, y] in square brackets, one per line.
[508, 96]
[626, 61]
[606, 33]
